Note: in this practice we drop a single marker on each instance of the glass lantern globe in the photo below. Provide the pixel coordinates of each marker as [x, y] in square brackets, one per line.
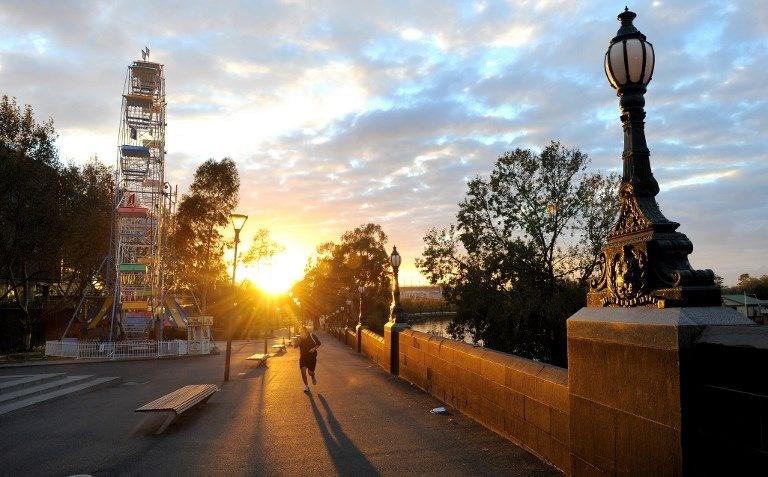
[394, 259]
[630, 59]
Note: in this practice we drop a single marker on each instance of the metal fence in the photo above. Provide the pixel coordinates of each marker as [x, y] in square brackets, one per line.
[115, 350]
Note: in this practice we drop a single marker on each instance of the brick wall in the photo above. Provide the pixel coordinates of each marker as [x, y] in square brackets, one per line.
[523, 400]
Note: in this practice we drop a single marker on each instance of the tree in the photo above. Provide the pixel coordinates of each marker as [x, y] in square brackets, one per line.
[525, 243]
[750, 285]
[197, 245]
[54, 219]
[334, 275]
[262, 248]
[30, 188]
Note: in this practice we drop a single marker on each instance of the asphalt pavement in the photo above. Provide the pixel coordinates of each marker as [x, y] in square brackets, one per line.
[358, 420]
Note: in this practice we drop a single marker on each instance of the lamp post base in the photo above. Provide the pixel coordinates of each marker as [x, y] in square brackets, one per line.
[392, 345]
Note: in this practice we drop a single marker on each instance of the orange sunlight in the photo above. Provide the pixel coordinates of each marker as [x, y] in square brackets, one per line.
[276, 275]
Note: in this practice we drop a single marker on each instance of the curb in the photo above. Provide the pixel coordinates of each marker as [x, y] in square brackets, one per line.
[64, 361]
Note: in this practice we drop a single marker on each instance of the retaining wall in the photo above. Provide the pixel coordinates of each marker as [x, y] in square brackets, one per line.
[372, 346]
[637, 398]
[351, 339]
[523, 400]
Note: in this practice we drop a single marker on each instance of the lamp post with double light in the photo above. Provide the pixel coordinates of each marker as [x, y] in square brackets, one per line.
[238, 221]
[645, 262]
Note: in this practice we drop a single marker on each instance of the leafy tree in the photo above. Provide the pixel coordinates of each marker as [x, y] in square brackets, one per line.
[197, 245]
[262, 248]
[31, 188]
[525, 243]
[756, 286]
[333, 276]
[54, 219]
[86, 209]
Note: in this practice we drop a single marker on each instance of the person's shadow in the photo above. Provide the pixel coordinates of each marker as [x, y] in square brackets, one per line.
[345, 455]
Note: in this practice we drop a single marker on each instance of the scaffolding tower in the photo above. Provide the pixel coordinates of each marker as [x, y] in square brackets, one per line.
[141, 208]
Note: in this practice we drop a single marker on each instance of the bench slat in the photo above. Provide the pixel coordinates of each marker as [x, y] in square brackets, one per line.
[181, 399]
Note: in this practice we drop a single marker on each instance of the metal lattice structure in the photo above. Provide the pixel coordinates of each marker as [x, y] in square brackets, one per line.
[140, 212]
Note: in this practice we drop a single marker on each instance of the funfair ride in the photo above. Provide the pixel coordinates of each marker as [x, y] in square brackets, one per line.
[139, 225]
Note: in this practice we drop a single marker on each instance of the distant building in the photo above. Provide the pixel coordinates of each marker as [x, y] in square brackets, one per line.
[421, 292]
[756, 309]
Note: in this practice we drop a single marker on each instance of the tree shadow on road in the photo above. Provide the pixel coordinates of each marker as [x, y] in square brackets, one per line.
[345, 455]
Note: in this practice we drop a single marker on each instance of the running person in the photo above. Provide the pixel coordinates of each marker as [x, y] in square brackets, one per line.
[308, 344]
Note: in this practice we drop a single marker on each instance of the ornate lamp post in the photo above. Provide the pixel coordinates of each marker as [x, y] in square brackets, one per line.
[360, 291]
[238, 220]
[645, 262]
[396, 313]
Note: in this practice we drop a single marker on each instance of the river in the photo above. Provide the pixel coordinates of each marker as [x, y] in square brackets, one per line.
[437, 326]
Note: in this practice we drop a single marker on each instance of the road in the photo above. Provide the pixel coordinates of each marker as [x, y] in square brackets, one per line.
[359, 420]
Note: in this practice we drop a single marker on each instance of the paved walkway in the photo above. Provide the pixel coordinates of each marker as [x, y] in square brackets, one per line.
[358, 420]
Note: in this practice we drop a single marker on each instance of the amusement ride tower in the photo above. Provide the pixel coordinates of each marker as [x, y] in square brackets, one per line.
[141, 208]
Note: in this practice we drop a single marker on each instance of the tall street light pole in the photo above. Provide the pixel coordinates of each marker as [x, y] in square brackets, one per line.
[360, 291]
[645, 262]
[238, 220]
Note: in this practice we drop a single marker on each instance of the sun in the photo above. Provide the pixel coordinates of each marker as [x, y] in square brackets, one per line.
[276, 275]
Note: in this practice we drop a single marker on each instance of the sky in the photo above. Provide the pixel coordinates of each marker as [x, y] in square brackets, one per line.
[340, 113]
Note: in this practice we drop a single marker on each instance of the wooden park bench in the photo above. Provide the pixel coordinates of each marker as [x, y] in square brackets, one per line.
[257, 357]
[278, 348]
[179, 401]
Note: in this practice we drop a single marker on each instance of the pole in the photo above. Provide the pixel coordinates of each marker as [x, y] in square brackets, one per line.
[746, 310]
[231, 316]
[397, 311]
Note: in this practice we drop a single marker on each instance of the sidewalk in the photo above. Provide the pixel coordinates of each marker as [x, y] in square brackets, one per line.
[359, 420]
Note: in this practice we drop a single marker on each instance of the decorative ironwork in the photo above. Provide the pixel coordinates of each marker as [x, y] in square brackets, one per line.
[645, 262]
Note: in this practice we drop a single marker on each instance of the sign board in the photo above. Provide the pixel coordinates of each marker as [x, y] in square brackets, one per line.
[200, 321]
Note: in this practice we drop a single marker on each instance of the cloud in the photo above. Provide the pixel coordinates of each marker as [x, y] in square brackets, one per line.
[343, 112]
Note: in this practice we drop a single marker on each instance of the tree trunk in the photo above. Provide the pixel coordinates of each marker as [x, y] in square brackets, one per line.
[27, 341]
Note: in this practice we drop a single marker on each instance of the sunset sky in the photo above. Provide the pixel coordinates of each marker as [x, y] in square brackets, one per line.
[345, 112]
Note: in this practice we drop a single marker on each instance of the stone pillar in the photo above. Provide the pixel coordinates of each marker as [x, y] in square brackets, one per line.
[359, 328]
[628, 400]
[392, 345]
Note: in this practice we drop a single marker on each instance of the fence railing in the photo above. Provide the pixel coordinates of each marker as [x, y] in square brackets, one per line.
[115, 350]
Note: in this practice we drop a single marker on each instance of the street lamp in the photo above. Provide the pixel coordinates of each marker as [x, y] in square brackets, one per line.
[360, 291]
[645, 262]
[238, 220]
[396, 313]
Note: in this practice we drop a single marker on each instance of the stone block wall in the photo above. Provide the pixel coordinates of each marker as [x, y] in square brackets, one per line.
[635, 400]
[523, 400]
[372, 346]
[351, 339]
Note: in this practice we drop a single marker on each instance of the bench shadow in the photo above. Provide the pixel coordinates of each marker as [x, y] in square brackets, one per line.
[345, 455]
[254, 372]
